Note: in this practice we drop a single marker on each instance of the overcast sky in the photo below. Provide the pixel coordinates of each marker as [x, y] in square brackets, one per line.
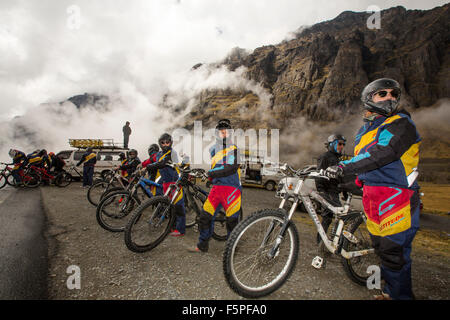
[48, 54]
[135, 52]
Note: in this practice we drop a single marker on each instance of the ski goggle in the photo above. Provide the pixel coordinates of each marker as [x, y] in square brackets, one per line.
[165, 142]
[383, 93]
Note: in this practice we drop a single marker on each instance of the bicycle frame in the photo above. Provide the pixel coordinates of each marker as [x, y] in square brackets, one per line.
[43, 172]
[305, 196]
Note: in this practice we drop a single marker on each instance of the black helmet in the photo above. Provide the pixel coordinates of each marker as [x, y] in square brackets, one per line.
[385, 108]
[165, 137]
[153, 148]
[122, 156]
[223, 124]
[43, 152]
[12, 153]
[89, 149]
[333, 140]
[133, 151]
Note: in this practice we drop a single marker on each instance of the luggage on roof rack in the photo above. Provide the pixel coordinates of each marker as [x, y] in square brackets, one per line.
[95, 143]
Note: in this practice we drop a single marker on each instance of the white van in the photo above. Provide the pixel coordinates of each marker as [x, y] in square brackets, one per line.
[106, 160]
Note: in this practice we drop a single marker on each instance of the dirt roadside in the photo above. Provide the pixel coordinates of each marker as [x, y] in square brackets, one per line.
[110, 271]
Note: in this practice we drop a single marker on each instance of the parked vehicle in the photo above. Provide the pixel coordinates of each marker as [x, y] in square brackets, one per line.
[107, 155]
[262, 174]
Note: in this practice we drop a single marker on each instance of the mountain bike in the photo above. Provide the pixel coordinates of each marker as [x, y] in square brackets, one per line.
[28, 179]
[6, 176]
[117, 205]
[152, 220]
[113, 179]
[60, 179]
[262, 250]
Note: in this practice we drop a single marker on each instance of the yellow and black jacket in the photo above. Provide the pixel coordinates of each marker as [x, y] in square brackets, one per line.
[88, 159]
[386, 152]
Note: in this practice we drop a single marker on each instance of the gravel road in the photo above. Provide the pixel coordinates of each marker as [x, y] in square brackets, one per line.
[110, 271]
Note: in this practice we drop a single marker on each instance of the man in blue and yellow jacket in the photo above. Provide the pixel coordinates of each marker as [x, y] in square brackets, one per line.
[386, 158]
[169, 176]
[226, 190]
[88, 159]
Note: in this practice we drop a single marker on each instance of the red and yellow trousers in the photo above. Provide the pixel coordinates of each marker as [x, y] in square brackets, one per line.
[393, 220]
[227, 197]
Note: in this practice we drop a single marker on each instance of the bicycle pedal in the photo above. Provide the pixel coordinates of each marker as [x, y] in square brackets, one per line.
[317, 262]
[350, 237]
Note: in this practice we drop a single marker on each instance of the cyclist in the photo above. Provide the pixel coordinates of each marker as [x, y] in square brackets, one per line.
[153, 173]
[19, 162]
[170, 176]
[386, 159]
[129, 166]
[56, 162]
[88, 159]
[329, 188]
[226, 185]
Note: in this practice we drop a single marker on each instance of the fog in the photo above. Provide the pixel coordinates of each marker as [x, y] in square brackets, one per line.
[134, 52]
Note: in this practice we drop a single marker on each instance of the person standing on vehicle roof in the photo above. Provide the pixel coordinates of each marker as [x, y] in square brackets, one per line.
[126, 134]
[88, 159]
[169, 176]
[386, 160]
[329, 188]
[226, 190]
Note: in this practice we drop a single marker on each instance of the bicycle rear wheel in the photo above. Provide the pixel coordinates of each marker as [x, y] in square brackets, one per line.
[220, 231]
[191, 210]
[63, 179]
[113, 210]
[356, 268]
[150, 224]
[32, 180]
[247, 266]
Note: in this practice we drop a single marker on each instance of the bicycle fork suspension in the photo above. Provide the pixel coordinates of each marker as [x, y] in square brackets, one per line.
[275, 249]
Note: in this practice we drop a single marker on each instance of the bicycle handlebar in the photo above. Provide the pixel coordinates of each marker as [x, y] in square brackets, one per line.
[316, 174]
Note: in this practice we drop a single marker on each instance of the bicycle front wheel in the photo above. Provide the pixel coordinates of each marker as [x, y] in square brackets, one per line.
[95, 192]
[356, 267]
[250, 266]
[150, 224]
[10, 180]
[113, 210]
[3, 180]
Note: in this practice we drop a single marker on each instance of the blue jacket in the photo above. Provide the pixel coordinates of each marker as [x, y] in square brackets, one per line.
[168, 174]
[88, 159]
[225, 166]
[386, 152]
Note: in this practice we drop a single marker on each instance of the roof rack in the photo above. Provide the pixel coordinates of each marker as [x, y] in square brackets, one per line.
[96, 143]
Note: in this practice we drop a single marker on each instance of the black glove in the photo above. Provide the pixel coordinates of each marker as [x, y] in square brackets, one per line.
[334, 172]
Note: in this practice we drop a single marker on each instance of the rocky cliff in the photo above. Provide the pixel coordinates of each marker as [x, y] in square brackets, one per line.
[321, 72]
